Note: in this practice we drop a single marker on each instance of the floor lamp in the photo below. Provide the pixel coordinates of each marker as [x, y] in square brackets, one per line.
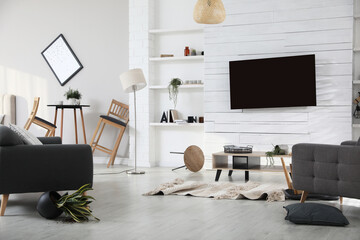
[132, 81]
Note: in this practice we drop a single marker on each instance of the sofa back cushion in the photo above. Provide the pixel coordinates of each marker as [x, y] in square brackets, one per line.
[8, 137]
[27, 137]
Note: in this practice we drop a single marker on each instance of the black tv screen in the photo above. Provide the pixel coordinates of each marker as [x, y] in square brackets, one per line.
[273, 82]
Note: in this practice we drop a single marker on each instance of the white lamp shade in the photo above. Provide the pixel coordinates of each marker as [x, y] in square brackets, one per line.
[133, 80]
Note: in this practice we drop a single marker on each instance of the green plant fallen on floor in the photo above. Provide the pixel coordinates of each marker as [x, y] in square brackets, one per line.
[76, 205]
[276, 151]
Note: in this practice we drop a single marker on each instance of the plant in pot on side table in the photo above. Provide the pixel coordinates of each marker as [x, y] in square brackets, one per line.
[73, 96]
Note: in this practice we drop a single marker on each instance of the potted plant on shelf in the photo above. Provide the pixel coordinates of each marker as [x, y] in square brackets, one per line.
[73, 96]
[76, 205]
[173, 88]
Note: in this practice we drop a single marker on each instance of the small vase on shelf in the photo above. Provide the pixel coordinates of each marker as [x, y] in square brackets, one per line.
[186, 51]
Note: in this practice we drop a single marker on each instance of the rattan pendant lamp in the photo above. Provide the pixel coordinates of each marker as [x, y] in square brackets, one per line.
[209, 12]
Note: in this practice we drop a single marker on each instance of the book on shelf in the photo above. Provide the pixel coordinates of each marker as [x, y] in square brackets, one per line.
[166, 55]
[174, 115]
[170, 116]
[181, 121]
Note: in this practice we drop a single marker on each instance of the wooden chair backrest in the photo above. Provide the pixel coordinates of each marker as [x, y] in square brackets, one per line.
[33, 113]
[119, 110]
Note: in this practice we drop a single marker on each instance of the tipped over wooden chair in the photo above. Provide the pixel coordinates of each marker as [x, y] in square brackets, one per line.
[117, 116]
[33, 119]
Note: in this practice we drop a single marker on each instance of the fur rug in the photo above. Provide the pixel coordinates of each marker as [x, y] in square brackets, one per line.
[223, 190]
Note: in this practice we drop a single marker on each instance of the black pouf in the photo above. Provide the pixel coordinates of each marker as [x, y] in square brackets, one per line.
[46, 205]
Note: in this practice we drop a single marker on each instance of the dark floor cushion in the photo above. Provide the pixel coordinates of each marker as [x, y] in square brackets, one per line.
[315, 214]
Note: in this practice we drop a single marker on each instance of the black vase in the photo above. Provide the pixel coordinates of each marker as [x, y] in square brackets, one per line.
[46, 205]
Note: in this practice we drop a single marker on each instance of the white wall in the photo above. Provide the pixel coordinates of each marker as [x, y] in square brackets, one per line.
[263, 29]
[97, 31]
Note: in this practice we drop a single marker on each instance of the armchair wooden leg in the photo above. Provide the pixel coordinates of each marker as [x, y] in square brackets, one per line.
[4, 200]
[341, 200]
[303, 196]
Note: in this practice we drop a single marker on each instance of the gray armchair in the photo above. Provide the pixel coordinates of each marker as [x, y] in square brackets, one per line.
[327, 169]
[41, 168]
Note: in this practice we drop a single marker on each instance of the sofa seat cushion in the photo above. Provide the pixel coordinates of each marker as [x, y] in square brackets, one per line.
[9, 137]
[315, 214]
[27, 137]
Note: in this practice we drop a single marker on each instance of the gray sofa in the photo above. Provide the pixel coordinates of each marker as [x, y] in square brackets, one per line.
[41, 168]
[327, 169]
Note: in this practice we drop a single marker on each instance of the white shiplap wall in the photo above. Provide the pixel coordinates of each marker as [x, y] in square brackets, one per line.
[273, 28]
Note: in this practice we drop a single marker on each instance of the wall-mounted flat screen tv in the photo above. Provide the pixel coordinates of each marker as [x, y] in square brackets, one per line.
[273, 82]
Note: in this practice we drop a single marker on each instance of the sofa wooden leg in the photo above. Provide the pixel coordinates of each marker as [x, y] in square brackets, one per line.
[341, 200]
[303, 196]
[4, 200]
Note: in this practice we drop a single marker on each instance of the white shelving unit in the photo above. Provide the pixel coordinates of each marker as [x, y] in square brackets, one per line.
[177, 124]
[165, 59]
[171, 37]
[186, 86]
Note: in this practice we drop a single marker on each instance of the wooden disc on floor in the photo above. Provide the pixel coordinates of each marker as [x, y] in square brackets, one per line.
[194, 158]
